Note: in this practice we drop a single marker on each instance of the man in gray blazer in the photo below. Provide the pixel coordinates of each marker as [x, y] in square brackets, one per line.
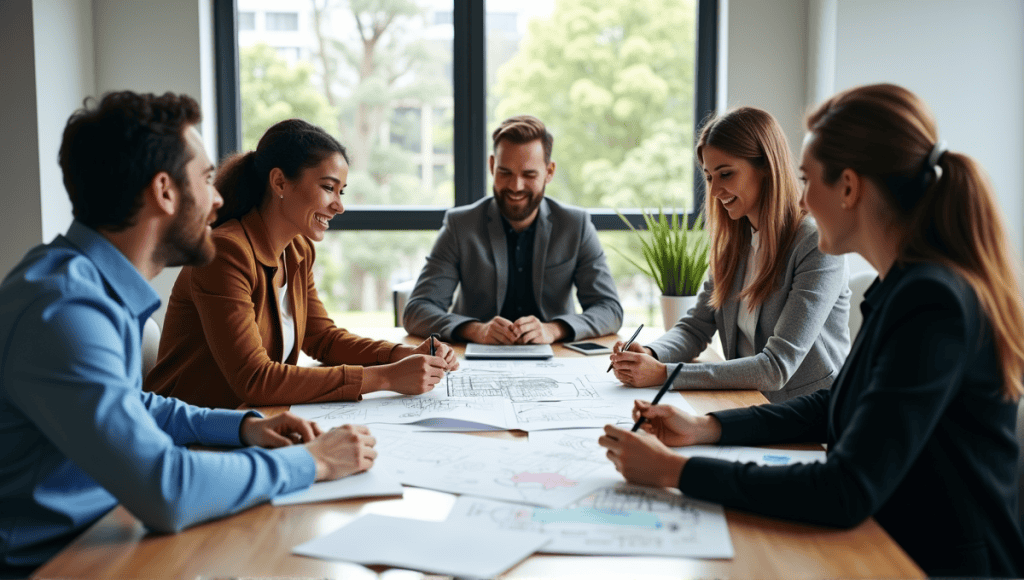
[515, 257]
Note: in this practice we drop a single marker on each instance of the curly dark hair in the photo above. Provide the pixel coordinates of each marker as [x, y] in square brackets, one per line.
[291, 146]
[111, 151]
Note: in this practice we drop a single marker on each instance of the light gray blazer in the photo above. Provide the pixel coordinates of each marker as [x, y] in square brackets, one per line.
[471, 251]
[802, 335]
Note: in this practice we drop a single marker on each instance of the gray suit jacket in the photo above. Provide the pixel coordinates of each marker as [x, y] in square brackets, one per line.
[802, 335]
[471, 251]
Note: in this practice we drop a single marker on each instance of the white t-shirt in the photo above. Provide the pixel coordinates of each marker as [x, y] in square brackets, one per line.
[747, 320]
[287, 318]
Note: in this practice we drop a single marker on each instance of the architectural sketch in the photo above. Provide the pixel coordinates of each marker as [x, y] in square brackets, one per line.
[614, 520]
[568, 414]
[517, 387]
[485, 467]
[435, 411]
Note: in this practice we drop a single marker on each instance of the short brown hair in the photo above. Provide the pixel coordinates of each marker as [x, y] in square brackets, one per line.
[523, 129]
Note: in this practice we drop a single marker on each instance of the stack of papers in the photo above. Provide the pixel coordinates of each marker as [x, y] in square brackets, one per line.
[556, 494]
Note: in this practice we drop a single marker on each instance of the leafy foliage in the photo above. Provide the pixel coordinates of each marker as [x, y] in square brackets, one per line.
[675, 256]
[274, 90]
[613, 79]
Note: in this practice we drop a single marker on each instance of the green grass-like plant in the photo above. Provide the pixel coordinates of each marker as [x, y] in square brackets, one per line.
[676, 256]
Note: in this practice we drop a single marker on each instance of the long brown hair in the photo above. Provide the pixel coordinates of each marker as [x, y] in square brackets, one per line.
[887, 134]
[756, 136]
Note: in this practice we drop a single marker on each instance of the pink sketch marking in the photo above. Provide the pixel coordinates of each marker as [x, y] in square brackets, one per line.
[548, 480]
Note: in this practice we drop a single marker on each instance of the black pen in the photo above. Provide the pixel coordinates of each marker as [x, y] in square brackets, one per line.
[661, 393]
[628, 342]
[433, 335]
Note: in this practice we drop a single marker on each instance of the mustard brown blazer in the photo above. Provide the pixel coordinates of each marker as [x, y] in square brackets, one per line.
[221, 342]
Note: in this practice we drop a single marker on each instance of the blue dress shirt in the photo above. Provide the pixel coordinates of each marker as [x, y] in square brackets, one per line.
[78, 435]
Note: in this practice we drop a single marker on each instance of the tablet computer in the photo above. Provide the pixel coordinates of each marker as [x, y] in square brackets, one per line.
[520, 351]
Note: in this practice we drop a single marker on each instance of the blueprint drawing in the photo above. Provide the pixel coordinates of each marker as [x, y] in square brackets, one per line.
[614, 520]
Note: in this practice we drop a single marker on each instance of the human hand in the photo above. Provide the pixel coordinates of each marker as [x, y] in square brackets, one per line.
[676, 428]
[342, 451]
[441, 349]
[277, 431]
[641, 458]
[413, 375]
[497, 330]
[633, 347]
[532, 331]
[637, 368]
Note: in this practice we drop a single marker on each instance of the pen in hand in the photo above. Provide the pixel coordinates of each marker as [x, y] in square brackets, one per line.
[433, 336]
[626, 346]
[661, 393]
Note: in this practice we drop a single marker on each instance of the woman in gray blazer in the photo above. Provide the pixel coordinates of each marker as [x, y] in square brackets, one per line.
[780, 305]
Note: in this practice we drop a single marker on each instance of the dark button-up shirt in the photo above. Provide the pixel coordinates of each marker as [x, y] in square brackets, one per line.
[519, 299]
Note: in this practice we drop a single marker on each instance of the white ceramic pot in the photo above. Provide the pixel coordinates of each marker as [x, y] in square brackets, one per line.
[674, 307]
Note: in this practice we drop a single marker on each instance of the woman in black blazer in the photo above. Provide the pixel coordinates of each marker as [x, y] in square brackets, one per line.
[920, 421]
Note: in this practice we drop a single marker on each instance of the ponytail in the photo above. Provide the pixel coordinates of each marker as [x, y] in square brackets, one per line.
[957, 223]
[241, 186]
[941, 201]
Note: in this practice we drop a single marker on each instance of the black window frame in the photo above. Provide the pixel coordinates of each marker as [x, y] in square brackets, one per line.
[470, 131]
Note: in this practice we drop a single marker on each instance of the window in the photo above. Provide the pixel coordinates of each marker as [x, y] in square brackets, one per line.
[292, 54]
[246, 21]
[283, 21]
[614, 84]
[619, 87]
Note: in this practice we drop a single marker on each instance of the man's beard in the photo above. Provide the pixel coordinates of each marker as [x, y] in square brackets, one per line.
[514, 214]
[186, 242]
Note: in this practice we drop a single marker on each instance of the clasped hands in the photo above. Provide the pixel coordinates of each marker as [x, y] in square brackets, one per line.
[339, 452]
[644, 457]
[525, 330]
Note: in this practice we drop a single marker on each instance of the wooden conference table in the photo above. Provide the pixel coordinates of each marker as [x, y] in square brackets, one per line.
[258, 541]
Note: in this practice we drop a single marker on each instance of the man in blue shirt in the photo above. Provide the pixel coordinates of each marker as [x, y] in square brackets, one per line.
[77, 434]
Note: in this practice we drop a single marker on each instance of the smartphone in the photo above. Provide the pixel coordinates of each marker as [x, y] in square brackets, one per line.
[589, 347]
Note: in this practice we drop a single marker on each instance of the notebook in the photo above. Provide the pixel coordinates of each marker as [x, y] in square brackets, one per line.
[520, 351]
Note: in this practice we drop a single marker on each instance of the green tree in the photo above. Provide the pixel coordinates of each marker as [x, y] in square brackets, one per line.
[373, 65]
[613, 79]
[368, 67]
[274, 90]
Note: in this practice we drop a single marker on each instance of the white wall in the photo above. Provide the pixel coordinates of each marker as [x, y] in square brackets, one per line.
[65, 75]
[765, 60]
[965, 58]
[21, 220]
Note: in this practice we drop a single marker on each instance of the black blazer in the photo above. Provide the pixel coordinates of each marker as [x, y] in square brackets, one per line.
[918, 432]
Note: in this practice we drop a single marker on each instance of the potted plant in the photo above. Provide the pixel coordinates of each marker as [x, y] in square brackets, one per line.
[676, 257]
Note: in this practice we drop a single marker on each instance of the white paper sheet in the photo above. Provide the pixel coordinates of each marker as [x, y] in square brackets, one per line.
[616, 520]
[466, 413]
[373, 483]
[499, 469]
[584, 441]
[435, 547]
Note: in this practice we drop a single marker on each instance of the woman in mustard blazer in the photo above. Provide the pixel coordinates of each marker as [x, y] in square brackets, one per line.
[234, 328]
